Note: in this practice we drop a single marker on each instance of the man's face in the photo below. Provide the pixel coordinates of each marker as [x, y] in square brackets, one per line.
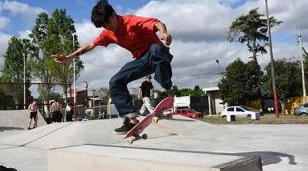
[112, 24]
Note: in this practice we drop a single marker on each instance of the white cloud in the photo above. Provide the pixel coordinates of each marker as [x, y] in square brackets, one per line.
[201, 20]
[27, 12]
[4, 21]
[15, 8]
[199, 29]
[101, 63]
[3, 46]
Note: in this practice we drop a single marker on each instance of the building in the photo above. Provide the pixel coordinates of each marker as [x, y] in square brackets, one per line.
[214, 101]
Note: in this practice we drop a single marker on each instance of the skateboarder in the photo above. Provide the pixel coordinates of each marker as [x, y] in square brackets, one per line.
[33, 114]
[145, 92]
[150, 52]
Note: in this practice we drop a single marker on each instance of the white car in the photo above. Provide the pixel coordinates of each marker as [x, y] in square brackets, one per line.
[239, 111]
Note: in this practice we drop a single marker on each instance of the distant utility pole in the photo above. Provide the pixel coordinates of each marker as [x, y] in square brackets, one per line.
[272, 61]
[302, 62]
[74, 80]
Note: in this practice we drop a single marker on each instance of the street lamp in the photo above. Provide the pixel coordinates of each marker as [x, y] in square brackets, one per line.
[217, 61]
[299, 36]
[25, 107]
[272, 61]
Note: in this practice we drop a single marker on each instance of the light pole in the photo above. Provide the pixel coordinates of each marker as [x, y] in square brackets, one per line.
[93, 96]
[86, 82]
[272, 61]
[74, 79]
[299, 36]
[222, 75]
[25, 107]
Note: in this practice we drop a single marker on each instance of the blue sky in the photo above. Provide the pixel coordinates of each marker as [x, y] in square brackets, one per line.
[78, 9]
[198, 28]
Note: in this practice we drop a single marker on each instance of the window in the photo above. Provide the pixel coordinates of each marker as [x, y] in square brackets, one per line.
[239, 110]
[230, 109]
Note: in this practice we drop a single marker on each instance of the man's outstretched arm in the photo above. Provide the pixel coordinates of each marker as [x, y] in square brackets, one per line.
[164, 36]
[60, 58]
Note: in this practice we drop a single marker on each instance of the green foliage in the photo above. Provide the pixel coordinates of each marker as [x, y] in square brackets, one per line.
[53, 35]
[287, 77]
[6, 101]
[305, 56]
[174, 91]
[18, 50]
[60, 40]
[252, 30]
[241, 83]
[52, 96]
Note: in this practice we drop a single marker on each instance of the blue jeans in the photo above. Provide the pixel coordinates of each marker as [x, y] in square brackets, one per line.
[157, 59]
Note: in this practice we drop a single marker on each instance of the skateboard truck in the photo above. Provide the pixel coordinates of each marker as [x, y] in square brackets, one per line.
[134, 133]
[137, 137]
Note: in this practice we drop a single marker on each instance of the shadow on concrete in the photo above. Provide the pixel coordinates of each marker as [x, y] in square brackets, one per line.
[268, 157]
[182, 120]
[2, 168]
[8, 128]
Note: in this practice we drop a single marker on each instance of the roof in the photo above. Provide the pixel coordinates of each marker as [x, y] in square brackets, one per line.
[210, 89]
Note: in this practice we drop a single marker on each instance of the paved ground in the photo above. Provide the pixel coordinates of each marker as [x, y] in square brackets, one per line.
[281, 147]
[17, 120]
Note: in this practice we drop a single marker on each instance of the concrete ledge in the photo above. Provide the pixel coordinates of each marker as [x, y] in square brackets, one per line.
[252, 163]
[115, 158]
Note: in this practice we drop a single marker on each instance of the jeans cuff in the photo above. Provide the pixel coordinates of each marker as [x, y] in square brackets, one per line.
[131, 115]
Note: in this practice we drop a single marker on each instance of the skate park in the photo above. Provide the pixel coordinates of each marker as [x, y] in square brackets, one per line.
[218, 59]
[176, 144]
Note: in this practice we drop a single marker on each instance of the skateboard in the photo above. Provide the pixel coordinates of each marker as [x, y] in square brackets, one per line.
[134, 133]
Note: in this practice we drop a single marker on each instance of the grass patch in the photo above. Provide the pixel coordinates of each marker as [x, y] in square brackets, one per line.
[266, 119]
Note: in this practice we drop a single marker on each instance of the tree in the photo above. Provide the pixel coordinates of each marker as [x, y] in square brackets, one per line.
[252, 30]
[254, 77]
[288, 79]
[60, 40]
[41, 63]
[5, 100]
[305, 56]
[241, 83]
[53, 35]
[18, 50]
[174, 91]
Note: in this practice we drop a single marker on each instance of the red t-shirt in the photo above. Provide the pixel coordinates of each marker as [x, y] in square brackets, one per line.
[134, 33]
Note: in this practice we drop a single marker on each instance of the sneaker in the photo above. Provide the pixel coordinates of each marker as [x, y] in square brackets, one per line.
[127, 126]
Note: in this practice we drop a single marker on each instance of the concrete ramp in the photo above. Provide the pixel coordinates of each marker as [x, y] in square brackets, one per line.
[17, 119]
[114, 158]
[178, 144]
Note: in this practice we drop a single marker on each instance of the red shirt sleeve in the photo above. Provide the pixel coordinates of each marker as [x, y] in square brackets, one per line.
[102, 39]
[145, 22]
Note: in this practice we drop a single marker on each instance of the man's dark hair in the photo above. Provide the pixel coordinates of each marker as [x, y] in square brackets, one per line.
[101, 13]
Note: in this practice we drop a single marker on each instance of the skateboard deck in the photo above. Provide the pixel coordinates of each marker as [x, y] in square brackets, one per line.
[134, 133]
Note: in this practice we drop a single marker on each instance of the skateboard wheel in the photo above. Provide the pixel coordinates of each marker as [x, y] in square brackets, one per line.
[155, 119]
[131, 140]
[144, 136]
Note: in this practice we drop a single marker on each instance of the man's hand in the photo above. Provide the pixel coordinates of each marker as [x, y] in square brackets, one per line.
[139, 97]
[166, 38]
[60, 58]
